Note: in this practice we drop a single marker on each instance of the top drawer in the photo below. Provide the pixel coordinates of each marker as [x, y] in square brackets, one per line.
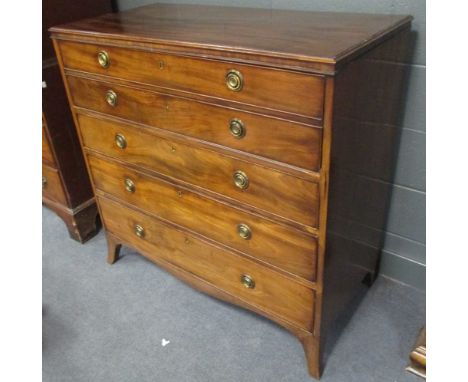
[269, 88]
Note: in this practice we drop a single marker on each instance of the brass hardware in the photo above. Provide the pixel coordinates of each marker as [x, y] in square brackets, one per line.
[234, 80]
[44, 182]
[247, 281]
[179, 194]
[173, 149]
[244, 231]
[129, 185]
[103, 59]
[120, 141]
[237, 128]
[161, 64]
[240, 179]
[187, 241]
[139, 231]
[111, 98]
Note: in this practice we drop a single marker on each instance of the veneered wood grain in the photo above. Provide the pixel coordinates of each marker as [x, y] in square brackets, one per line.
[272, 292]
[301, 35]
[272, 138]
[53, 188]
[271, 242]
[279, 193]
[114, 246]
[288, 91]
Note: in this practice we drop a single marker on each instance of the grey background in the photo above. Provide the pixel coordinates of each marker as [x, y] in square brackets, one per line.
[404, 256]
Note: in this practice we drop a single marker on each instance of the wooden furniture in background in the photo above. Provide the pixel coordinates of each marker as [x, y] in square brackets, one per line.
[418, 356]
[66, 188]
[208, 135]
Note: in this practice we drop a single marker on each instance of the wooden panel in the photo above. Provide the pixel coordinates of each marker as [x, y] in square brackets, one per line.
[274, 89]
[245, 32]
[52, 187]
[47, 155]
[350, 257]
[285, 195]
[272, 138]
[63, 137]
[60, 146]
[273, 292]
[278, 245]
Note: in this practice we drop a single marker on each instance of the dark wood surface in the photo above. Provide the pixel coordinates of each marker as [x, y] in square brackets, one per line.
[271, 242]
[287, 142]
[62, 138]
[179, 157]
[47, 155]
[52, 187]
[369, 94]
[68, 189]
[62, 11]
[273, 292]
[274, 89]
[307, 36]
[271, 190]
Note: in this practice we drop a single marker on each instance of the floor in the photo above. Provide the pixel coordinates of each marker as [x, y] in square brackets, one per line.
[107, 323]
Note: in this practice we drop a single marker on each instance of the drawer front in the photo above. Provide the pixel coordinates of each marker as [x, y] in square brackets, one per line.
[275, 244]
[51, 185]
[274, 89]
[285, 195]
[47, 155]
[272, 291]
[272, 138]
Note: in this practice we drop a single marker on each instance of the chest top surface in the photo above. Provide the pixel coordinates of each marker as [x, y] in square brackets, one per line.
[305, 36]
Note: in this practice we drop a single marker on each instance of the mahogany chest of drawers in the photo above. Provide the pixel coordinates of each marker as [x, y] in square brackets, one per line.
[207, 132]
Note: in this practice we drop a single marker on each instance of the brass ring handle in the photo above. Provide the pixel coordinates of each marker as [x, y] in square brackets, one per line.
[120, 141]
[241, 179]
[103, 59]
[247, 281]
[129, 185]
[139, 231]
[111, 98]
[44, 182]
[237, 128]
[234, 80]
[244, 231]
